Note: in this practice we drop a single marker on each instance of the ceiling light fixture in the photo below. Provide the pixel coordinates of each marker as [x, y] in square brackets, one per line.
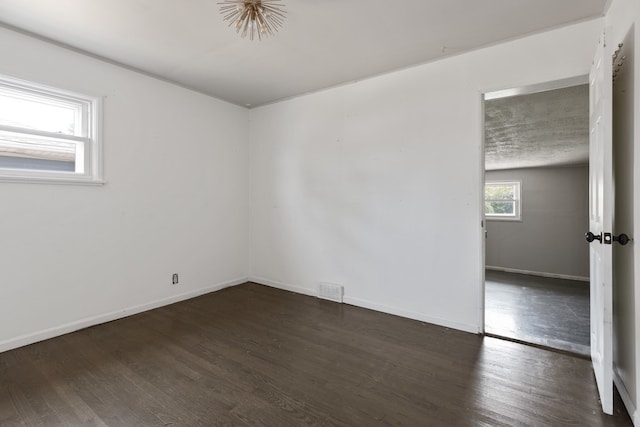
[261, 17]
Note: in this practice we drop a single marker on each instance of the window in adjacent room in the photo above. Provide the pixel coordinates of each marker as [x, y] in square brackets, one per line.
[48, 134]
[502, 200]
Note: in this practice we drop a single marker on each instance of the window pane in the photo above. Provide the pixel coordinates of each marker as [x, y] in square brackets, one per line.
[500, 208]
[19, 151]
[499, 192]
[39, 113]
[48, 134]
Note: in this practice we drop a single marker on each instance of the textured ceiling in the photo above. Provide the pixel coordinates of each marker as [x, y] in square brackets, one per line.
[323, 43]
[548, 128]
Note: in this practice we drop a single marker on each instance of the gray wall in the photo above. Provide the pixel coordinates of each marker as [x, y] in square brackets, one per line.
[550, 237]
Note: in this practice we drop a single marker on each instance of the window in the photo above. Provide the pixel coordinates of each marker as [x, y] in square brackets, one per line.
[502, 200]
[48, 134]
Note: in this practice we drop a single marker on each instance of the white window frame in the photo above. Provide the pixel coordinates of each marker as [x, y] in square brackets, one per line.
[518, 201]
[89, 168]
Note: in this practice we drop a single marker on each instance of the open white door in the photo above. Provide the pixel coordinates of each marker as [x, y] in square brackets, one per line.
[600, 221]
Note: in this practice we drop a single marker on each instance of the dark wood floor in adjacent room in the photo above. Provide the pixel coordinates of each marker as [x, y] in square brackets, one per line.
[251, 355]
[541, 310]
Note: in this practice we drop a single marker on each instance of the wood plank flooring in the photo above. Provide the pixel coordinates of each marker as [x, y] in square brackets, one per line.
[252, 355]
[540, 310]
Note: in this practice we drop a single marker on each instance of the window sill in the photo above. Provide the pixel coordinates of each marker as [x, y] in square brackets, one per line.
[493, 218]
[50, 180]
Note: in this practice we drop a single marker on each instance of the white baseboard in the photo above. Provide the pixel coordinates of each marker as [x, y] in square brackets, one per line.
[538, 273]
[283, 286]
[108, 317]
[626, 398]
[412, 315]
[358, 302]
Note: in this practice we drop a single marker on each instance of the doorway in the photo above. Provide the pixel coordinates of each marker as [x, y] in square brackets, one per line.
[536, 213]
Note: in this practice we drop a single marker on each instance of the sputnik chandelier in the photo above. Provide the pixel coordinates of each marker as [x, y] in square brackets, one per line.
[251, 17]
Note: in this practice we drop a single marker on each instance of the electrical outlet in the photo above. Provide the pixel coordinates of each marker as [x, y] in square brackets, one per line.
[174, 279]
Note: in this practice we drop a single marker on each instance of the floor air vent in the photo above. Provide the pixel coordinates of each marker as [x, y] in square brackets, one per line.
[330, 291]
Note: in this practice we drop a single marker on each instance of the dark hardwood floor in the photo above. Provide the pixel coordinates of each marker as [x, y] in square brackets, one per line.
[252, 355]
[540, 310]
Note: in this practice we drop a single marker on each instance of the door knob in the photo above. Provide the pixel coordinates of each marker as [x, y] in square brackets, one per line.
[590, 237]
[623, 239]
[609, 238]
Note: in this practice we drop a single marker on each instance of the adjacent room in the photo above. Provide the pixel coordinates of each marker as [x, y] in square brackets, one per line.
[272, 212]
[536, 208]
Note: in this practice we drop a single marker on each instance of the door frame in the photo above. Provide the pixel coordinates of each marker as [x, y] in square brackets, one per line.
[494, 93]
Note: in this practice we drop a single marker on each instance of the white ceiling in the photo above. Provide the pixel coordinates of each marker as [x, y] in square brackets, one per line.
[548, 128]
[323, 43]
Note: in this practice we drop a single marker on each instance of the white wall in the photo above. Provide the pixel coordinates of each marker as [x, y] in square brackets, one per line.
[555, 215]
[377, 185]
[623, 24]
[175, 201]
